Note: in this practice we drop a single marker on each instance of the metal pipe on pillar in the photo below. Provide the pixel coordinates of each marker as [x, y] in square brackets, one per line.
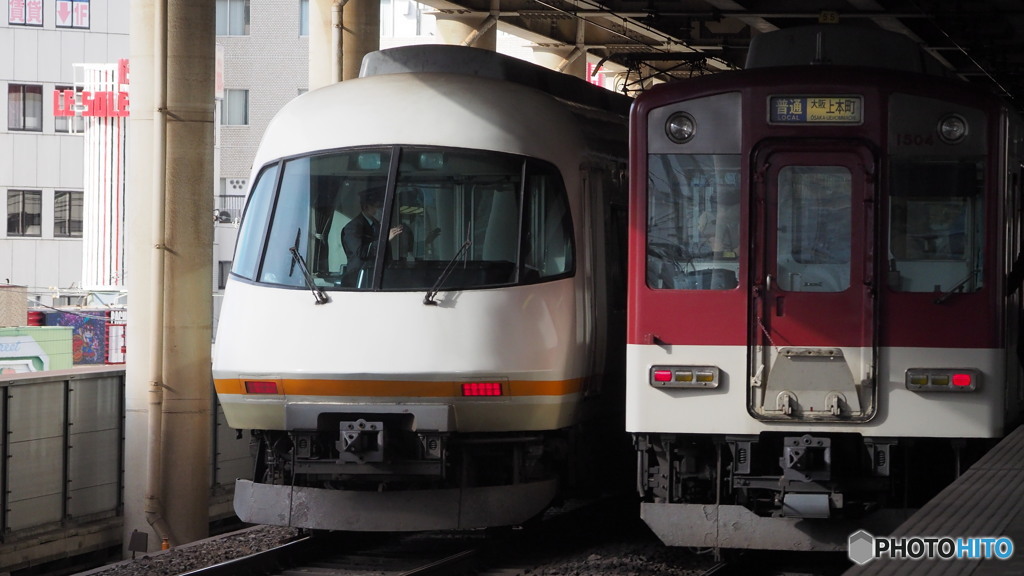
[337, 40]
[154, 460]
[144, 188]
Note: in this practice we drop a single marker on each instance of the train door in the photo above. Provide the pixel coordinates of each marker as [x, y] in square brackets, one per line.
[813, 335]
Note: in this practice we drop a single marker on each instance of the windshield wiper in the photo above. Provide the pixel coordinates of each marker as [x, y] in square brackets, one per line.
[428, 300]
[958, 288]
[318, 293]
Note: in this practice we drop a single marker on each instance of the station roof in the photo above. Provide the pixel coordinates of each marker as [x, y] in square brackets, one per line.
[981, 41]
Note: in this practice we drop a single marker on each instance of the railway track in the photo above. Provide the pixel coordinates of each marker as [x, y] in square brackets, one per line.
[599, 538]
[779, 563]
[419, 554]
[392, 555]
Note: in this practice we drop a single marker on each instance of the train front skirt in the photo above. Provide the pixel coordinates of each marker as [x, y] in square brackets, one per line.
[404, 510]
[734, 526]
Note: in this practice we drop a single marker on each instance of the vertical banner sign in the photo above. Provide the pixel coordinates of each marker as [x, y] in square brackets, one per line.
[101, 98]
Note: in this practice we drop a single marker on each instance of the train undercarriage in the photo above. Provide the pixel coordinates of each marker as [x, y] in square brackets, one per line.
[377, 474]
[373, 455]
[766, 491]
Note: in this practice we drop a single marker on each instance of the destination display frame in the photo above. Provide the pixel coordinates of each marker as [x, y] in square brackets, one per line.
[805, 109]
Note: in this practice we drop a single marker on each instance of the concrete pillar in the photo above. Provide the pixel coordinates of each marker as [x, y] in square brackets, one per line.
[566, 59]
[188, 296]
[170, 239]
[360, 34]
[476, 30]
[324, 43]
[341, 32]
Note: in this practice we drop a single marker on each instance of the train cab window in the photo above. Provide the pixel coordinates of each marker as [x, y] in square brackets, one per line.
[693, 221]
[813, 231]
[936, 225]
[491, 219]
[405, 219]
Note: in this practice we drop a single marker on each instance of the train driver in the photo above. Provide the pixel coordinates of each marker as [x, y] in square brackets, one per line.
[359, 237]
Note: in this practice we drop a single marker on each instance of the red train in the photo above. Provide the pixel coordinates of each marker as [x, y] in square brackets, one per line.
[824, 315]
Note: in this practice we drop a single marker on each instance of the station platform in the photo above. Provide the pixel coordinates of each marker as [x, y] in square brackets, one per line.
[980, 516]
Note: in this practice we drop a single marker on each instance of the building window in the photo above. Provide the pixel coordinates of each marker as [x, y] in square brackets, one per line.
[387, 19]
[69, 124]
[235, 109]
[67, 214]
[223, 271]
[232, 17]
[25, 12]
[24, 213]
[25, 107]
[72, 14]
[303, 17]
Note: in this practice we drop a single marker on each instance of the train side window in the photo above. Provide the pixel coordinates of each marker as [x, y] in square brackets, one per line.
[548, 246]
[254, 223]
[693, 221]
[936, 225]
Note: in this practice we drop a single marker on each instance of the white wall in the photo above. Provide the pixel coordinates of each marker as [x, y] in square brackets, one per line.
[48, 161]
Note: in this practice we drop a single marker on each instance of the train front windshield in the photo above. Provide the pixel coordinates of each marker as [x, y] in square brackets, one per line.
[396, 218]
[693, 221]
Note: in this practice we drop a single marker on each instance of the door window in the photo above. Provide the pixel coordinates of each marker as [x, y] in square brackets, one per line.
[814, 216]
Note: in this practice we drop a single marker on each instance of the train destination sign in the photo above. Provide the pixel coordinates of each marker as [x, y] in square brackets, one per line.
[815, 110]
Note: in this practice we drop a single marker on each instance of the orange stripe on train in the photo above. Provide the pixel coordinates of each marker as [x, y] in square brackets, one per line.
[398, 388]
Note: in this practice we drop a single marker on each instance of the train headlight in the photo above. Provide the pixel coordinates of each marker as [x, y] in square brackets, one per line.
[680, 127]
[684, 376]
[952, 128]
[943, 379]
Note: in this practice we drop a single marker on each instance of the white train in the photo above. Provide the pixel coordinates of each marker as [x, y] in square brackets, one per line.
[428, 280]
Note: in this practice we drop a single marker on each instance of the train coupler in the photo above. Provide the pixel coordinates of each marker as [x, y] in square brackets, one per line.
[361, 441]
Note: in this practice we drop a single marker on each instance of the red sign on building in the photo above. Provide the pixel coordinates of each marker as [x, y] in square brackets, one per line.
[96, 103]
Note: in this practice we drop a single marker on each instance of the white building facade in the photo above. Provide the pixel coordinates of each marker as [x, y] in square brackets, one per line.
[263, 55]
[41, 155]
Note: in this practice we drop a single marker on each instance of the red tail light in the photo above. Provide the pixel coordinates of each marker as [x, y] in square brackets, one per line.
[260, 387]
[481, 389]
[943, 379]
[962, 380]
[662, 375]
